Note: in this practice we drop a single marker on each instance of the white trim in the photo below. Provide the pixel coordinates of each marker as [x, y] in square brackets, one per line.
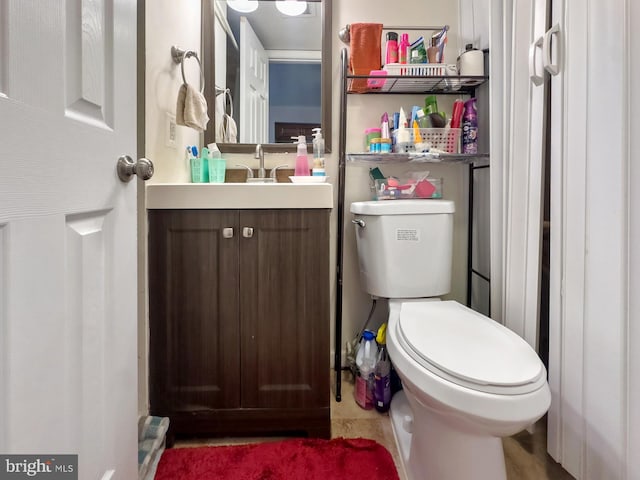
[605, 258]
[556, 294]
[524, 174]
[4, 334]
[295, 56]
[632, 15]
[570, 372]
[499, 55]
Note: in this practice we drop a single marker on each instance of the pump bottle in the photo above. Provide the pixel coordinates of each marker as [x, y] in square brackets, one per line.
[302, 162]
[318, 154]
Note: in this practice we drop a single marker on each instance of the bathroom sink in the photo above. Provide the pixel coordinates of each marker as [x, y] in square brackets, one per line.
[255, 195]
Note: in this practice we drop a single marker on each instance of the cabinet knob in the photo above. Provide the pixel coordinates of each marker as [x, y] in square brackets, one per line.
[227, 232]
[247, 232]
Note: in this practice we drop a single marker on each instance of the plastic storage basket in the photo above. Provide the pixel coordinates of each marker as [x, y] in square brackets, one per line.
[421, 69]
[442, 139]
[418, 77]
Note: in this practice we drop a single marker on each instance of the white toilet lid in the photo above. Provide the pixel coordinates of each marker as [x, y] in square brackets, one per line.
[469, 348]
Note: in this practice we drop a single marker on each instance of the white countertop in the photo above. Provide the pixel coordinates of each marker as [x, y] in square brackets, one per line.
[238, 195]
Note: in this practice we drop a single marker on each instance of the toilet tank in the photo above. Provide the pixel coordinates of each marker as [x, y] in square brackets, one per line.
[404, 247]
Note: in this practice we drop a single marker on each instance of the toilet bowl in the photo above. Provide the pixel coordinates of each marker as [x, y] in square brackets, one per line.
[468, 381]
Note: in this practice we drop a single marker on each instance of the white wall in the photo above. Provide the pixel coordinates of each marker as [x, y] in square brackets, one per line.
[167, 23]
[474, 23]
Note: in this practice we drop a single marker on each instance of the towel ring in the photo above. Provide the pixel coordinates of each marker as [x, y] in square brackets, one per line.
[179, 56]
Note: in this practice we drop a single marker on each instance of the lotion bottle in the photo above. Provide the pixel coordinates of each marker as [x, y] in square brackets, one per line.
[318, 154]
[302, 162]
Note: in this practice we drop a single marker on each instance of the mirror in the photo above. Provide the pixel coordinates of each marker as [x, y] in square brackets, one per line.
[295, 48]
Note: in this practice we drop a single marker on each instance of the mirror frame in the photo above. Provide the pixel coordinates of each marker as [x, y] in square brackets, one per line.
[208, 63]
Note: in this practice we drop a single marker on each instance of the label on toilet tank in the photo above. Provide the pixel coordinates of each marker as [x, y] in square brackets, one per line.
[407, 235]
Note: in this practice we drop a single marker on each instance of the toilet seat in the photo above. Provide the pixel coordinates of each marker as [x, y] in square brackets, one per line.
[468, 349]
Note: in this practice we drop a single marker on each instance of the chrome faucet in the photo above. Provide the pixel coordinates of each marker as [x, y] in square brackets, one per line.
[260, 156]
[262, 173]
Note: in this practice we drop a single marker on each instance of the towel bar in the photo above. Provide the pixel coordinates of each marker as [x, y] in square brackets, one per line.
[179, 56]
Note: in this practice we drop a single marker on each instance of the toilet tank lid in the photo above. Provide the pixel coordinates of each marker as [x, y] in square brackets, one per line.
[403, 207]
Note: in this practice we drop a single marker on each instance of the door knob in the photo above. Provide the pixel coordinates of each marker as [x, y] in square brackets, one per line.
[127, 167]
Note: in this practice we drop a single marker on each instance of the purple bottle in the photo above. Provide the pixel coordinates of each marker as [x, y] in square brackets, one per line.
[470, 127]
[382, 375]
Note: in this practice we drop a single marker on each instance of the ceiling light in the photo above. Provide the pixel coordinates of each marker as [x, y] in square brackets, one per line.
[243, 6]
[291, 7]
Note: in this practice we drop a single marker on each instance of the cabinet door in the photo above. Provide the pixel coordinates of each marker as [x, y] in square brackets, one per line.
[193, 304]
[284, 314]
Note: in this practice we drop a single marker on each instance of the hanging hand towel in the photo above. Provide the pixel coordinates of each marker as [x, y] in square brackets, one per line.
[226, 128]
[191, 108]
[366, 53]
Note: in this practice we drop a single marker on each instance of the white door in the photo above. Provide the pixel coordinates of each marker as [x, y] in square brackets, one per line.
[67, 233]
[254, 87]
[594, 420]
[523, 224]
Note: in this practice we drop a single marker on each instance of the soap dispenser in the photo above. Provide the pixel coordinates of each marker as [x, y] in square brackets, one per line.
[302, 163]
[318, 153]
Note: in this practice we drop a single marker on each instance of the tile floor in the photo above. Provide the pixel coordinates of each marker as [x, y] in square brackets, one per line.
[525, 454]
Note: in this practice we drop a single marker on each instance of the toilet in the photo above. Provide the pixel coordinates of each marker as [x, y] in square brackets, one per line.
[467, 380]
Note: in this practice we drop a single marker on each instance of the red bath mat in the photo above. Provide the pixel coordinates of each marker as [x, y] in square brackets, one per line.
[304, 459]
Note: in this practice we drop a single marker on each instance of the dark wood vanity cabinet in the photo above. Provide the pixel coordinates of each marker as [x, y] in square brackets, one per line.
[239, 321]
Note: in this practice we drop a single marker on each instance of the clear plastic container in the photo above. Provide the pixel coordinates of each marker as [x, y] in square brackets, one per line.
[415, 186]
[217, 164]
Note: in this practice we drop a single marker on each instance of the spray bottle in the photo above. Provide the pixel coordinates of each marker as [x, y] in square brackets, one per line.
[302, 163]
[318, 153]
[382, 372]
[366, 362]
[470, 127]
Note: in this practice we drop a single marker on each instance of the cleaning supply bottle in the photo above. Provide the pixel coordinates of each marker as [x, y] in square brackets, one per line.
[382, 373]
[318, 154]
[302, 162]
[217, 164]
[470, 127]
[366, 362]
[391, 48]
